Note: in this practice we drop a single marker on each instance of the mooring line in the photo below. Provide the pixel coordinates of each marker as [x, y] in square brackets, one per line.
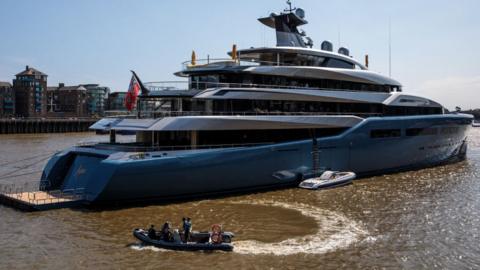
[9, 174]
[17, 175]
[29, 158]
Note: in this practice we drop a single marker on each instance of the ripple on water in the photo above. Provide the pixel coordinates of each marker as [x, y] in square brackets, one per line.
[141, 247]
[419, 219]
[335, 231]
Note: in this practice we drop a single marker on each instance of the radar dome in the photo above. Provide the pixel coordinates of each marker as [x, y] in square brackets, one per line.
[327, 46]
[300, 13]
[344, 51]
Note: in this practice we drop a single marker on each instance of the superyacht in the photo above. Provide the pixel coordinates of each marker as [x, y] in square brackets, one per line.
[263, 118]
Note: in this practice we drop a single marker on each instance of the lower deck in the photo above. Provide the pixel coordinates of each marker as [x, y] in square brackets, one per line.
[374, 146]
[40, 200]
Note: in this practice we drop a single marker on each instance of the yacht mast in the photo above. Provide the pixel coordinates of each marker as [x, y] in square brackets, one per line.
[390, 47]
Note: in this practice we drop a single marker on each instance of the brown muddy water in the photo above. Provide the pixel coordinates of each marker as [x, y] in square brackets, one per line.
[422, 219]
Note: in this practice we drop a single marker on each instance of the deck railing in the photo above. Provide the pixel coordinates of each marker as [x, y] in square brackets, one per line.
[167, 85]
[228, 62]
[161, 114]
[158, 148]
[31, 192]
[184, 85]
[212, 62]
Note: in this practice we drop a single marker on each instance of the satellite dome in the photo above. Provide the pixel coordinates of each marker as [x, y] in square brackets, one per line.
[327, 46]
[344, 51]
[300, 13]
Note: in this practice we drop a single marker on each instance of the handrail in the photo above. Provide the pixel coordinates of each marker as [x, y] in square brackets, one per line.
[216, 85]
[205, 62]
[17, 192]
[135, 148]
[147, 83]
[162, 85]
[161, 114]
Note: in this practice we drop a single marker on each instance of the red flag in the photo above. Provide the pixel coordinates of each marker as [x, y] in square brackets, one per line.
[132, 94]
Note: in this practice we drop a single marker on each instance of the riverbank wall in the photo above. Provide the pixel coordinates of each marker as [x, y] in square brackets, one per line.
[45, 125]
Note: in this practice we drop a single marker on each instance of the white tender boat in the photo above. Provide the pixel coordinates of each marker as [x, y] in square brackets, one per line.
[329, 179]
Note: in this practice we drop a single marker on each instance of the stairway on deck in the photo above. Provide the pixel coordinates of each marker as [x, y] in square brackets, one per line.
[40, 200]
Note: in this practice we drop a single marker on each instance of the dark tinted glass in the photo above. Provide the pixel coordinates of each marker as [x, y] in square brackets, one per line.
[335, 63]
[421, 131]
[385, 133]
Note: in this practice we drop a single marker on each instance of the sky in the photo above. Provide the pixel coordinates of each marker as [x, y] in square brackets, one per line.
[434, 42]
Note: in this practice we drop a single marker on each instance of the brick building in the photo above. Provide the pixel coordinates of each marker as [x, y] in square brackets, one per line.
[7, 100]
[30, 87]
[67, 101]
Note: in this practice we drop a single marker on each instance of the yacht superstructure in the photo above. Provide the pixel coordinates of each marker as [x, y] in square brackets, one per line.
[252, 121]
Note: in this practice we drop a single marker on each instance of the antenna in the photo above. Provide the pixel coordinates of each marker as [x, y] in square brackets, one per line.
[289, 9]
[390, 47]
[339, 40]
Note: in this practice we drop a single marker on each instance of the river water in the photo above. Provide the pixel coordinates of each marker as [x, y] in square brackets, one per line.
[422, 219]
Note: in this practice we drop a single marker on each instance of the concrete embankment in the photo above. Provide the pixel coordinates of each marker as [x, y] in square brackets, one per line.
[16, 126]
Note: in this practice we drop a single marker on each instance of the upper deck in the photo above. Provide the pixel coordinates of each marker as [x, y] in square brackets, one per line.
[293, 62]
[298, 56]
[311, 72]
[289, 79]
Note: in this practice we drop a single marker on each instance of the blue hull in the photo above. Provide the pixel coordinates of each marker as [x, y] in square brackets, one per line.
[109, 176]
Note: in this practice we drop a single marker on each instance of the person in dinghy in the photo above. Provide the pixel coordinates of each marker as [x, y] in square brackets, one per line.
[187, 240]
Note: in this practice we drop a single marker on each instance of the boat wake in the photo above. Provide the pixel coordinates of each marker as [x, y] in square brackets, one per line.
[141, 247]
[334, 232]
